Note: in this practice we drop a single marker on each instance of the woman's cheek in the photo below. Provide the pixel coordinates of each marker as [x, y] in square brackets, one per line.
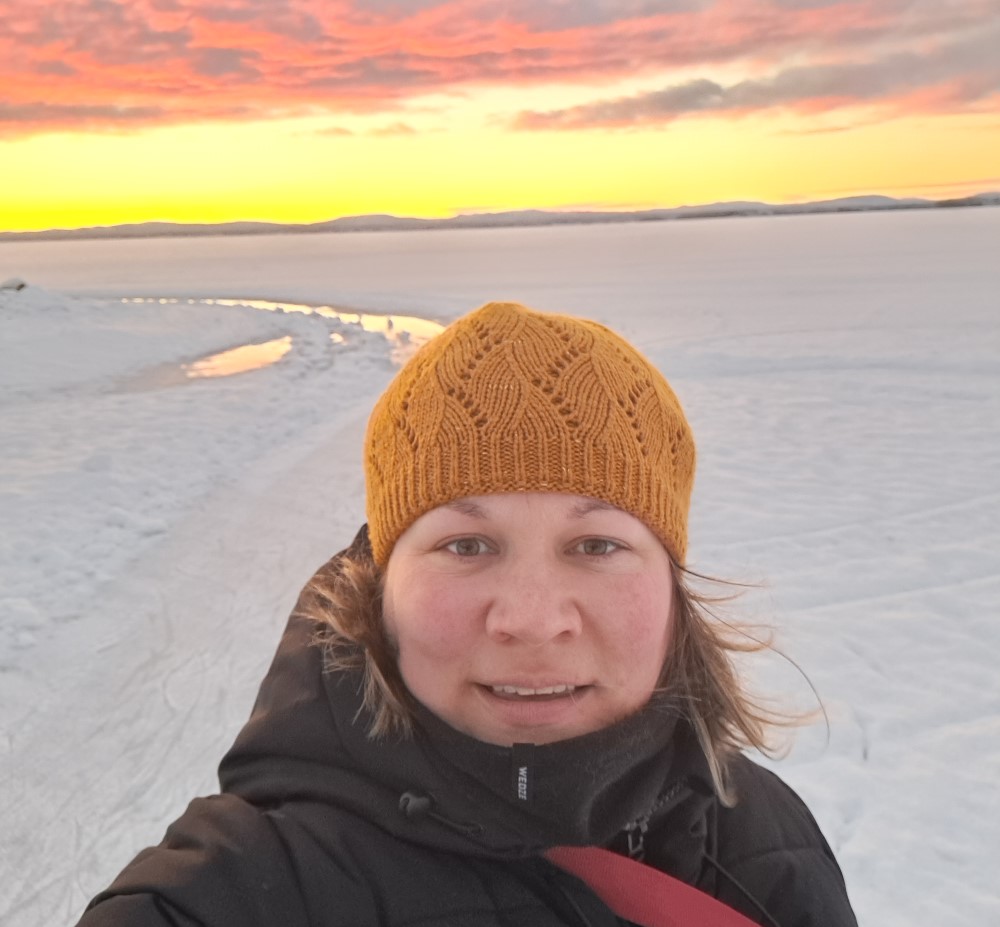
[440, 623]
[651, 623]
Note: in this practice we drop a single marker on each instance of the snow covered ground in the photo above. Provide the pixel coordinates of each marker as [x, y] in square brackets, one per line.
[842, 374]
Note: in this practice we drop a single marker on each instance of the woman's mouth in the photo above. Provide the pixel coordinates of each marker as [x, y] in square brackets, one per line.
[541, 693]
[539, 713]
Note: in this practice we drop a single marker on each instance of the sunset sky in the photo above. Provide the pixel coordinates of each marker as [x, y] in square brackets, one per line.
[117, 111]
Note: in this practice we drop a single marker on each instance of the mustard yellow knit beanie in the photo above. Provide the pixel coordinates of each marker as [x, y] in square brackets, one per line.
[507, 399]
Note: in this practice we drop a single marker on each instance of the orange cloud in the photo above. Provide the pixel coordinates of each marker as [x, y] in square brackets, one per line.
[119, 64]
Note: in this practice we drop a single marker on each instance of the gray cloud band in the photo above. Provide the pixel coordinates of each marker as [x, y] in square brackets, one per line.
[967, 71]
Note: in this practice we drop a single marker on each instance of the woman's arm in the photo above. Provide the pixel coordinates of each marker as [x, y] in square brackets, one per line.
[221, 864]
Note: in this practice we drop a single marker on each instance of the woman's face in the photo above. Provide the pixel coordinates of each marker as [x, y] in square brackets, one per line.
[529, 617]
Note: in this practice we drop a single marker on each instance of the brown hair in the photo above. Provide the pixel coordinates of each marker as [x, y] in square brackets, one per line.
[699, 673]
[344, 599]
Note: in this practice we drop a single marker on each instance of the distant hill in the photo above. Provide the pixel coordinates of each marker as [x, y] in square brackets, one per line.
[523, 217]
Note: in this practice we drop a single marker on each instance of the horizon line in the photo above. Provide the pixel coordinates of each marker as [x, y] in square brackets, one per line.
[568, 215]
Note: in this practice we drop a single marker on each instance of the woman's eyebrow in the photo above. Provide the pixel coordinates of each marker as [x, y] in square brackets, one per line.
[585, 507]
[581, 509]
[466, 508]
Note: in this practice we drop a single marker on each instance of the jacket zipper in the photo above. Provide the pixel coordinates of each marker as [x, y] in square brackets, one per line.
[635, 832]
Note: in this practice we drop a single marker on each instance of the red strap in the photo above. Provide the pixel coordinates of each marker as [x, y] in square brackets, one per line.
[642, 894]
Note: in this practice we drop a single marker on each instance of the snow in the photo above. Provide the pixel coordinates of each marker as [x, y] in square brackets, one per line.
[841, 375]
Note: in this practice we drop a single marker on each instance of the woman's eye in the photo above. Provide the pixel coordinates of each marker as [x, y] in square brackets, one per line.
[596, 547]
[467, 547]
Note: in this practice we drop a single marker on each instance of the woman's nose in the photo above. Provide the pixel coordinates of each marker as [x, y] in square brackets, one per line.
[534, 603]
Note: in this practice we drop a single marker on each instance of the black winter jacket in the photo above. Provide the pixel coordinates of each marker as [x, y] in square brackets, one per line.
[319, 826]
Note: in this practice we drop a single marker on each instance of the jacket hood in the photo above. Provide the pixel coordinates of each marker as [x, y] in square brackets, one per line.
[307, 742]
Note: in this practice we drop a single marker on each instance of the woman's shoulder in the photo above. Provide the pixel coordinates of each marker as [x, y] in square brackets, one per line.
[768, 814]
[769, 845]
[220, 862]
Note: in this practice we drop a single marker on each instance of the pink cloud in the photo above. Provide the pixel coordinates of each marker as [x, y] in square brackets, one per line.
[99, 63]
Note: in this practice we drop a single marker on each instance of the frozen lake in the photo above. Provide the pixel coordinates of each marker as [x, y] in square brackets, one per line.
[842, 376]
[693, 276]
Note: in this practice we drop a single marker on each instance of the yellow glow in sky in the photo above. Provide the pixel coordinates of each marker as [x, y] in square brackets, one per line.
[288, 171]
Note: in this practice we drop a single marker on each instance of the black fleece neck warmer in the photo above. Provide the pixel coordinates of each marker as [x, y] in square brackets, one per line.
[579, 791]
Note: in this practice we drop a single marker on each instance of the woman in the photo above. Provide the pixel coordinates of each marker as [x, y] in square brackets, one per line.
[505, 660]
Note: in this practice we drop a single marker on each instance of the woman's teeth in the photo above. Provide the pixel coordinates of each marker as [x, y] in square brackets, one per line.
[523, 692]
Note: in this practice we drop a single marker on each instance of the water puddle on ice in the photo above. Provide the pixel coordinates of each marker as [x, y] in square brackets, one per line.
[242, 359]
[404, 332]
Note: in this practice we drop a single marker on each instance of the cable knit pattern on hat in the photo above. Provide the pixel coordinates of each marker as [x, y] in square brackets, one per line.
[507, 399]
